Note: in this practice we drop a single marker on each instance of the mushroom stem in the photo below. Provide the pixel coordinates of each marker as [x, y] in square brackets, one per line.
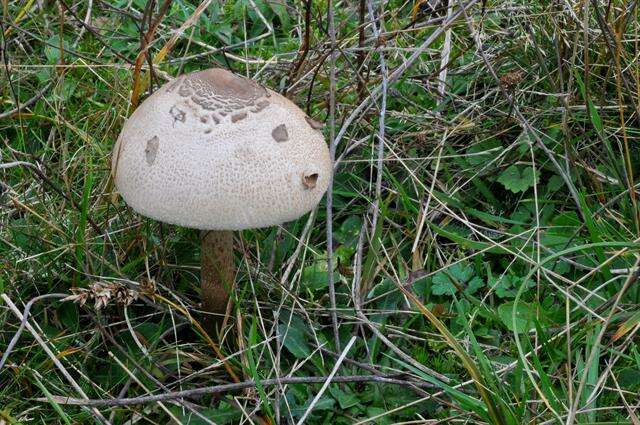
[217, 273]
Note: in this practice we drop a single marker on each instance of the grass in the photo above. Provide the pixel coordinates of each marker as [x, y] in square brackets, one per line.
[485, 230]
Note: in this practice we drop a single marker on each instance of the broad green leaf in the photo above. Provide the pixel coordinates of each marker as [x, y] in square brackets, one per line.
[483, 152]
[517, 178]
[442, 285]
[294, 340]
[345, 399]
[223, 414]
[506, 286]
[629, 379]
[374, 411]
[473, 285]
[524, 319]
[444, 282]
[325, 403]
[316, 276]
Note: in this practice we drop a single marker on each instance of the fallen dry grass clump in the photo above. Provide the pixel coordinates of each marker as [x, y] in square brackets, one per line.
[475, 258]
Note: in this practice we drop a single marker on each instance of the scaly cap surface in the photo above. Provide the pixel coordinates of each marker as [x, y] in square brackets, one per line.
[212, 150]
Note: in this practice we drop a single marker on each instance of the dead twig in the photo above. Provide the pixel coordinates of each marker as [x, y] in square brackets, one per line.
[145, 43]
[23, 324]
[54, 358]
[94, 32]
[332, 155]
[304, 47]
[328, 380]
[19, 108]
[219, 389]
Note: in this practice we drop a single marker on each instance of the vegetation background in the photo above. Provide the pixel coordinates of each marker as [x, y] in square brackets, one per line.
[483, 221]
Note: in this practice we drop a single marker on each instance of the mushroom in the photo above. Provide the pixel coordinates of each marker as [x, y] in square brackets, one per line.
[217, 152]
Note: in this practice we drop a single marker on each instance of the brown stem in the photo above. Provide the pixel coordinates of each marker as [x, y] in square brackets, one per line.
[217, 273]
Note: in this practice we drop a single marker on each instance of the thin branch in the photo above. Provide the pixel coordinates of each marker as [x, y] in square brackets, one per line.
[400, 70]
[328, 380]
[332, 155]
[219, 389]
[22, 106]
[524, 123]
[383, 110]
[54, 358]
[304, 47]
[23, 324]
[595, 346]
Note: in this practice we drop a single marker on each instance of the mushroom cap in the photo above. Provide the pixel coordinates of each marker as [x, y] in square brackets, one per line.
[214, 151]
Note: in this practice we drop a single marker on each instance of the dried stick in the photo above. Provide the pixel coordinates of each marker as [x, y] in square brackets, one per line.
[52, 356]
[328, 380]
[524, 123]
[219, 389]
[332, 155]
[400, 70]
[19, 108]
[595, 347]
[23, 324]
[383, 110]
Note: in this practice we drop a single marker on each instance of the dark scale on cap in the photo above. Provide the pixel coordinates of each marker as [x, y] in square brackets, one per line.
[151, 150]
[172, 85]
[260, 105]
[177, 114]
[214, 87]
[239, 116]
[280, 133]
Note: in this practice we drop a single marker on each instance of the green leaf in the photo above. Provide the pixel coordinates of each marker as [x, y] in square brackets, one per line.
[506, 286]
[280, 10]
[315, 276]
[554, 183]
[375, 411]
[223, 414]
[628, 325]
[523, 142]
[325, 403]
[525, 316]
[503, 286]
[68, 314]
[596, 120]
[517, 179]
[629, 379]
[442, 285]
[54, 404]
[473, 285]
[444, 282]
[349, 231]
[52, 49]
[294, 340]
[463, 241]
[483, 152]
[345, 400]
